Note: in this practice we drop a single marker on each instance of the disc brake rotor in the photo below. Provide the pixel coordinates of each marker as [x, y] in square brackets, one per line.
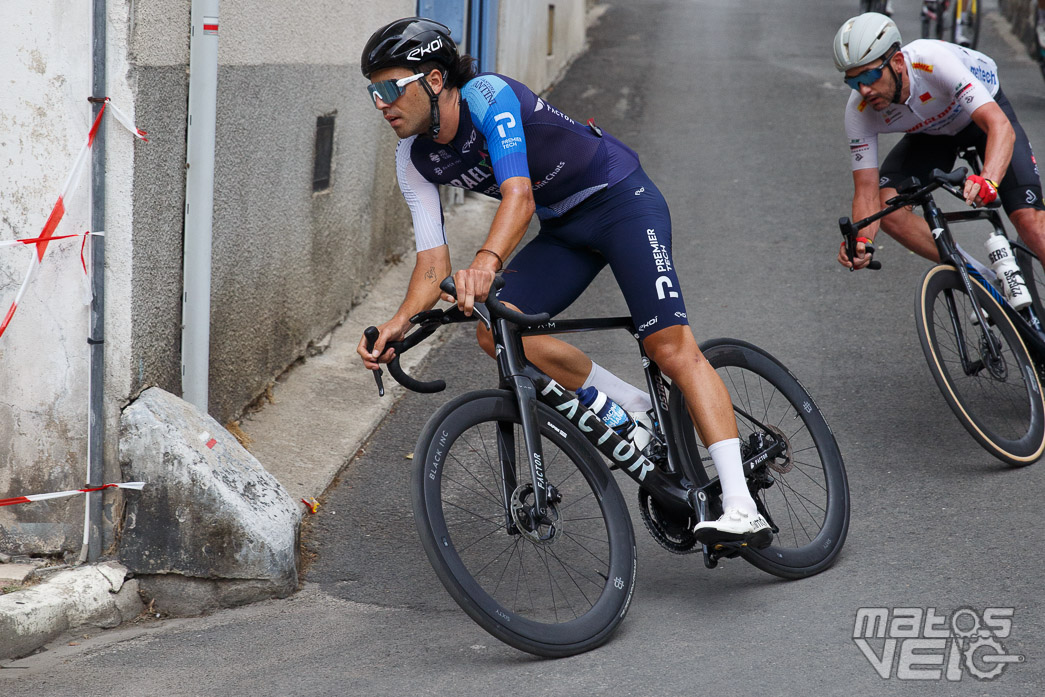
[522, 513]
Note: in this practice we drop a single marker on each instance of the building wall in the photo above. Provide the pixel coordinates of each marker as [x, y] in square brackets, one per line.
[524, 49]
[43, 355]
[288, 264]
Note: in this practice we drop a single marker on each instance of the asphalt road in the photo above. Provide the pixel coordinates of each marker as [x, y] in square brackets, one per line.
[736, 111]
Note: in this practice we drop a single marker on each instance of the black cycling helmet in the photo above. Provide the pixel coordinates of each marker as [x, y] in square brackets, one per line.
[408, 42]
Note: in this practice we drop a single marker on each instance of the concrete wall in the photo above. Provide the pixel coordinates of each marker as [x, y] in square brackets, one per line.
[524, 50]
[1020, 14]
[287, 263]
[43, 355]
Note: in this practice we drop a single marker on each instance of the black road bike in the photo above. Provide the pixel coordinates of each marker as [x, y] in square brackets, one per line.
[985, 355]
[524, 522]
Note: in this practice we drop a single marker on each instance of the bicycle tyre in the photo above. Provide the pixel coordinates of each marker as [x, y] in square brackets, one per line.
[971, 28]
[809, 503]
[1033, 275]
[585, 585]
[1003, 413]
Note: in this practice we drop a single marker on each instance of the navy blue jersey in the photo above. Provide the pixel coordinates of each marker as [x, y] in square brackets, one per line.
[504, 131]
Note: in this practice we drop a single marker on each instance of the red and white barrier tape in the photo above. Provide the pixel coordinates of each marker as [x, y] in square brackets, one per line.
[59, 494]
[48, 240]
[47, 235]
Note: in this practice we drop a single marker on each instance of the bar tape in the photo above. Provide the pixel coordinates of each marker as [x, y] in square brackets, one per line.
[47, 234]
[60, 494]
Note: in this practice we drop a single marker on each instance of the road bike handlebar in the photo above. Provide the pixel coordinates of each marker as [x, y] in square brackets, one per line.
[911, 192]
[430, 320]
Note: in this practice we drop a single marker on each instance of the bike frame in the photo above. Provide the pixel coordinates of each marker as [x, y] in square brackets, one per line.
[671, 486]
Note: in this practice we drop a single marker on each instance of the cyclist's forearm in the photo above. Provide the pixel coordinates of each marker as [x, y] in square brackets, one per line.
[1000, 140]
[866, 198]
[430, 268]
[509, 224]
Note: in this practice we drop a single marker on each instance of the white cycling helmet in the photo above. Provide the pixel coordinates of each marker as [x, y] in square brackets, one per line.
[864, 38]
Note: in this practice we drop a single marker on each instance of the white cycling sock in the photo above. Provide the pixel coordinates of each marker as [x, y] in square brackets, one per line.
[726, 456]
[629, 397]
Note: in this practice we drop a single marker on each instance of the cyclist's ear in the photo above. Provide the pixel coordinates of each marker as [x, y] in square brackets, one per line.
[436, 81]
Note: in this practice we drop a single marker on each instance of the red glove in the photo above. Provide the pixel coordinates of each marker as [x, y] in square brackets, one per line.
[988, 189]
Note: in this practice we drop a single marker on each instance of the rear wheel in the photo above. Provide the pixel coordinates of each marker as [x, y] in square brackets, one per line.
[802, 488]
[997, 394]
[553, 587]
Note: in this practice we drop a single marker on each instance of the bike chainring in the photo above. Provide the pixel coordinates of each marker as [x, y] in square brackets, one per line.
[672, 533]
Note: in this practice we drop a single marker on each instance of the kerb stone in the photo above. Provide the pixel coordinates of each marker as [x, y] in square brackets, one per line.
[210, 520]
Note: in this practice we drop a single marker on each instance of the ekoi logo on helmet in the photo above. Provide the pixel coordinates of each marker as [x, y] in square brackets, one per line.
[418, 53]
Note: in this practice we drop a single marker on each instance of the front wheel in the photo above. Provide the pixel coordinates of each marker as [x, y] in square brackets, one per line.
[997, 394]
[802, 489]
[552, 587]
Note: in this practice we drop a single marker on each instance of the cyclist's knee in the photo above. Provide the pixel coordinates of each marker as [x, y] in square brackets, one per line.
[485, 339]
[1029, 222]
[674, 350]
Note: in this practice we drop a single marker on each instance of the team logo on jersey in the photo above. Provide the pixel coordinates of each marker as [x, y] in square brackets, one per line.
[863, 105]
[539, 105]
[467, 147]
[924, 67]
[925, 97]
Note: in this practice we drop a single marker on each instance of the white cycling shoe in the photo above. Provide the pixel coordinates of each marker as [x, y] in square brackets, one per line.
[735, 526]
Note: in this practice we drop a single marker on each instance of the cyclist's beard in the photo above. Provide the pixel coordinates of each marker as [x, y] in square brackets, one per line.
[899, 85]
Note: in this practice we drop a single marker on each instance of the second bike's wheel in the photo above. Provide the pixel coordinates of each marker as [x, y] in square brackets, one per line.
[803, 490]
[556, 587]
[1034, 276]
[998, 401]
[965, 23]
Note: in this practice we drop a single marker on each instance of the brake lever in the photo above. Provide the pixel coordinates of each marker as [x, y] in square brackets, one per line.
[849, 233]
[371, 333]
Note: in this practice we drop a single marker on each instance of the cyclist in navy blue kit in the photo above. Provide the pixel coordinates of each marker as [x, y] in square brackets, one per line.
[490, 134]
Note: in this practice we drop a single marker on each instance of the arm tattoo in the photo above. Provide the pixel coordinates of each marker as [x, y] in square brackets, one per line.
[430, 274]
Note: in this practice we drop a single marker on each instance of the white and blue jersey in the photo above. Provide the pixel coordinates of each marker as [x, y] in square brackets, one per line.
[596, 205]
[499, 117]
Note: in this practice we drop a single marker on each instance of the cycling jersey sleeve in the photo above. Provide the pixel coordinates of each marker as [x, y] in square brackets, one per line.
[863, 138]
[497, 112]
[422, 196]
[972, 85]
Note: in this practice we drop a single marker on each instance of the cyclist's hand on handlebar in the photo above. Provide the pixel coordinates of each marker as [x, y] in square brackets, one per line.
[473, 285]
[389, 331]
[979, 191]
[863, 256]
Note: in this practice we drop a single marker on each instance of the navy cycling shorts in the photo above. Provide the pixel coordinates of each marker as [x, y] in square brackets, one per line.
[917, 154]
[626, 226]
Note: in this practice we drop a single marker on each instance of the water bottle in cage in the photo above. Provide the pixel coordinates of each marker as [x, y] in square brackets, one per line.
[1003, 263]
[611, 413]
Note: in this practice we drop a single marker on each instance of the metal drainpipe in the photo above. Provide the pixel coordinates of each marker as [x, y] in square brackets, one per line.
[199, 201]
[92, 535]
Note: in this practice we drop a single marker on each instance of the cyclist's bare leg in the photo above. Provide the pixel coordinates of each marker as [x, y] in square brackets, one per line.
[909, 229]
[562, 362]
[675, 351]
[1030, 224]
